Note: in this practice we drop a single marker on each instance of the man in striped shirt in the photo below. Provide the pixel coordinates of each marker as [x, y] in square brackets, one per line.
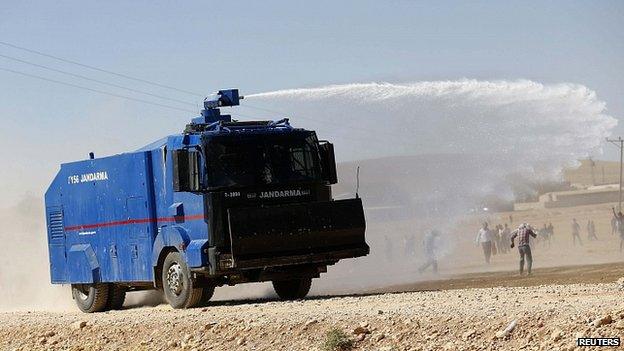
[523, 233]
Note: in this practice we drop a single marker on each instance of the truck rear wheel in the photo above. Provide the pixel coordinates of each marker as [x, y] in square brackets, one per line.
[292, 289]
[178, 285]
[116, 297]
[206, 296]
[90, 297]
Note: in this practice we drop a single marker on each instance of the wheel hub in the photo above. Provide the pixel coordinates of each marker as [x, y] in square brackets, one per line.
[174, 279]
[83, 292]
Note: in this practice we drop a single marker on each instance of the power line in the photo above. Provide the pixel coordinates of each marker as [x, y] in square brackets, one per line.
[136, 99]
[135, 90]
[96, 90]
[95, 80]
[104, 92]
[99, 69]
[106, 83]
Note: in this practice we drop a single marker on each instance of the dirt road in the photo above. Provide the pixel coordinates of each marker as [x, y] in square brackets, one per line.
[600, 273]
[399, 308]
[548, 317]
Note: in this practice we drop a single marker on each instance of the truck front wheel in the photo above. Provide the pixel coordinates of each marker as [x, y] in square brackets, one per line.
[178, 284]
[292, 289]
[116, 297]
[90, 297]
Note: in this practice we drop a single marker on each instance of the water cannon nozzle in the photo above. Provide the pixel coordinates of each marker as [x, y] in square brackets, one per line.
[223, 98]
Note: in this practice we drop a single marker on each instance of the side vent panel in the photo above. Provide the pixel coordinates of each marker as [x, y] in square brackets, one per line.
[56, 241]
[56, 227]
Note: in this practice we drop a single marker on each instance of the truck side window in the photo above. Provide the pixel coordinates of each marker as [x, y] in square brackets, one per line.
[299, 160]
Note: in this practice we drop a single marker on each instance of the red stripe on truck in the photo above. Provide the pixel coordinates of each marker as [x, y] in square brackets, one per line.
[134, 221]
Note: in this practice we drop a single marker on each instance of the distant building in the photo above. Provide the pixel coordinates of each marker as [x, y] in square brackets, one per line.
[592, 182]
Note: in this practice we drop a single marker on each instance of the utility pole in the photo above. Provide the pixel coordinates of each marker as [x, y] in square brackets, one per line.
[619, 142]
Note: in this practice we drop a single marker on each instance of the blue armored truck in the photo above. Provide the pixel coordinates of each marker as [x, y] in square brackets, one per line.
[223, 202]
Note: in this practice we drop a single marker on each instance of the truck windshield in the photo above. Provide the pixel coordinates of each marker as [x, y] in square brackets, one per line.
[248, 160]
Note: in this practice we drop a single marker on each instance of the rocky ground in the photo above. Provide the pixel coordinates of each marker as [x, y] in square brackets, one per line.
[546, 317]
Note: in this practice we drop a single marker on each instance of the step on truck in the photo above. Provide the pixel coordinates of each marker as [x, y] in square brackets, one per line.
[222, 203]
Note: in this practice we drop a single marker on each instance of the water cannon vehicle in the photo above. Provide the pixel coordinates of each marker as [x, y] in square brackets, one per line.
[224, 202]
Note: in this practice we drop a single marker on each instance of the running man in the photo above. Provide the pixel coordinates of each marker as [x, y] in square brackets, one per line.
[545, 235]
[576, 232]
[524, 249]
[430, 247]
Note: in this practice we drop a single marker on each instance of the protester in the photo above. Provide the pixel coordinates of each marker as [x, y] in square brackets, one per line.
[592, 230]
[410, 246]
[544, 234]
[430, 248]
[551, 230]
[484, 238]
[523, 233]
[576, 232]
[500, 239]
[506, 237]
[494, 234]
[619, 224]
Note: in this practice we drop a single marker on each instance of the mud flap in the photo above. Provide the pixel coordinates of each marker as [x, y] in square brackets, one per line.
[83, 264]
[296, 229]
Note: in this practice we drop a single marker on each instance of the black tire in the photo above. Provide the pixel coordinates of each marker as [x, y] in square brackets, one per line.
[178, 283]
[90, 297]
[116, 297]
[292, 289]
[206, 296]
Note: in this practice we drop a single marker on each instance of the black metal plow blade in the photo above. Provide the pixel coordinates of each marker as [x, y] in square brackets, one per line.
[297, 229]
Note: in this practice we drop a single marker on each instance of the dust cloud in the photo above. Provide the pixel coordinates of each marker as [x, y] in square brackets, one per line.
[430, 152]
[24, 267]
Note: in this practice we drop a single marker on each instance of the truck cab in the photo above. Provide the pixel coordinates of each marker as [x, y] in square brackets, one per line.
[223, 203]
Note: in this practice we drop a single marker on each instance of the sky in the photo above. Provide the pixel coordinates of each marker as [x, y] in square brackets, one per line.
[202, 46]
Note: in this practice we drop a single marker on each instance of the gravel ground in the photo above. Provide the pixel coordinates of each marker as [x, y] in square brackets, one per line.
[547, 317]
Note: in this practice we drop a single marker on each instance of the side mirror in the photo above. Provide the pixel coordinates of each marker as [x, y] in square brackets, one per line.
[328, 162]
[186, 170]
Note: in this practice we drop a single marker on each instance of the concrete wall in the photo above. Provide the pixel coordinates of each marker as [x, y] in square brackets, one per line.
[583, 198]
[526, 206]
[570, 199]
